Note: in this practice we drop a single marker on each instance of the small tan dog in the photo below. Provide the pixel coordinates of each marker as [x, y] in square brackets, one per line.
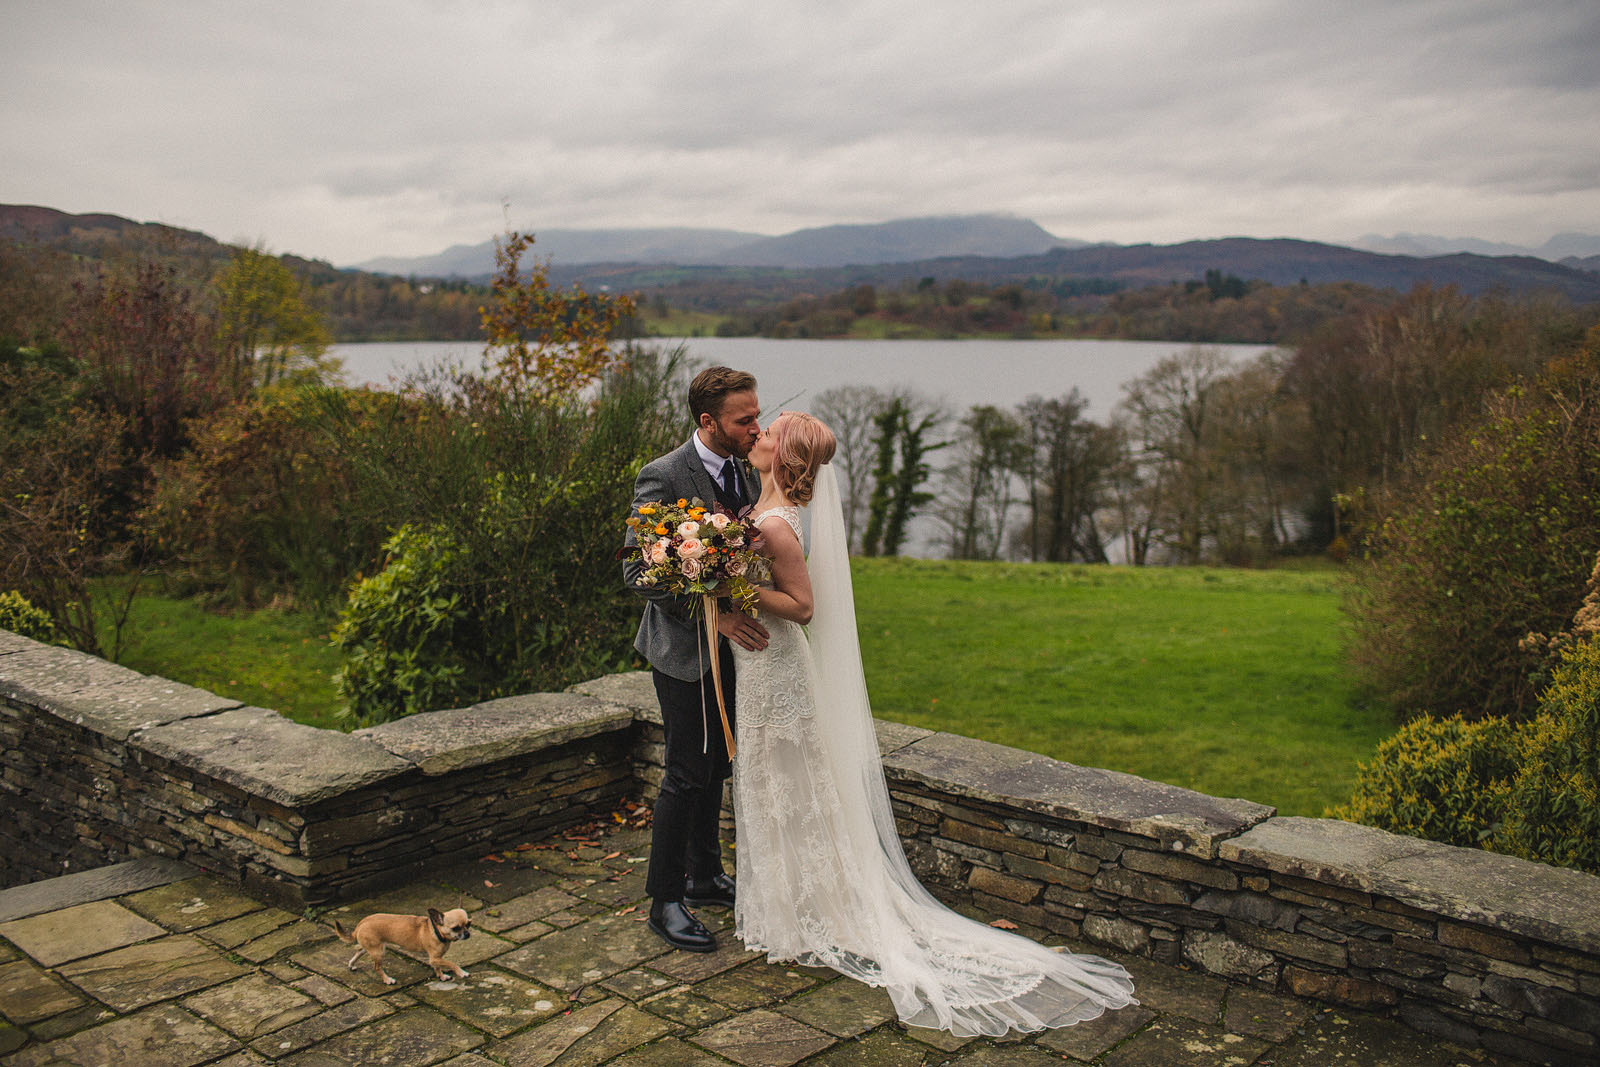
[431, 934]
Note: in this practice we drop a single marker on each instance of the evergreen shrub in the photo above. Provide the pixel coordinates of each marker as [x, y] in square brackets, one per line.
[404, 631]
[1526, 789]
[1442, 779]
[1553, 809]
[19, 616]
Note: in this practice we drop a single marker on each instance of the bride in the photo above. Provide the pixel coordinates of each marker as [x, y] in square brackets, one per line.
[822, 878]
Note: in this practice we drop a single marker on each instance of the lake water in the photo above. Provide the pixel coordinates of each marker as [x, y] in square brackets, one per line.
[792, 373]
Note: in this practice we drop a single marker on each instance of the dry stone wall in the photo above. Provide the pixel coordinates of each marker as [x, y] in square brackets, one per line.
[1475, 947]
[101, 764]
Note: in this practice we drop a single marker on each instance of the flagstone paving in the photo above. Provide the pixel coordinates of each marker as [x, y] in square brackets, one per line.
[158, 964]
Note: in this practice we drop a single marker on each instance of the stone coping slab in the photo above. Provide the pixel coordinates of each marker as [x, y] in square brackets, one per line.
[1179, 819]
[111, 700]
[440, 742]
[263, 753]
[893, 736]
[1530, 899]
[86, 887]
[10, 642]
[635, 691]
[119, 711]
[35, 674]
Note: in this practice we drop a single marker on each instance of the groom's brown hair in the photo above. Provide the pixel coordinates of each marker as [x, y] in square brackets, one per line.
[712, 386]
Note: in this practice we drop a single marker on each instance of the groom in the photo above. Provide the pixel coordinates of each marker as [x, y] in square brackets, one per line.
[685, 846]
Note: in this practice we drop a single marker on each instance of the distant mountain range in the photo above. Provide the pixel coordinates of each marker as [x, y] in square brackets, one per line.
[899, 241]
[996, 247]
[1569, 249]
[986, 248]
[1281, 261]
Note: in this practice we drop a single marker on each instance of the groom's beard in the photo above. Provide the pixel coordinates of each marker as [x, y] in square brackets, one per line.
[738, 448]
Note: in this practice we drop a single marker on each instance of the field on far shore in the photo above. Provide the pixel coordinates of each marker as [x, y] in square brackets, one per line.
[1224, 681]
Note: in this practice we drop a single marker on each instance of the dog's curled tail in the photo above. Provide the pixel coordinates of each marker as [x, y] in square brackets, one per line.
[345, 937]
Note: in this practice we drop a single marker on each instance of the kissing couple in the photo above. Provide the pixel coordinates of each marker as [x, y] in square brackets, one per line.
[822, 878]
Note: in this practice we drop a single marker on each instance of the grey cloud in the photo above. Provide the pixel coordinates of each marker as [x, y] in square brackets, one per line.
[351, 130]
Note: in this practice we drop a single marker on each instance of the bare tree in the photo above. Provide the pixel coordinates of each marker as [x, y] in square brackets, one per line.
[1170, 411]
[849, 410]
[977, 487]
[1065, 463]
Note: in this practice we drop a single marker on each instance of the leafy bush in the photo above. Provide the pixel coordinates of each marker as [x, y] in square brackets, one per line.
[21, 617]
[254, 510]
[1529, 789]
[65, 471]
[1443, 779]
[404, 630]
[1492, 539]
[504, 576]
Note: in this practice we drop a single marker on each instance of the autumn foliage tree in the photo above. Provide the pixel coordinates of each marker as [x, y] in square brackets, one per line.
[267, 330]
[541, 340]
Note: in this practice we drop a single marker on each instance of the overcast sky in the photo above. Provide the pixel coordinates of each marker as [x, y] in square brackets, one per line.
[351, 130]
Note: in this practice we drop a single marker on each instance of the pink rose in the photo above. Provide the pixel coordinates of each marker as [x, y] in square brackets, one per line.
[658, 553]
[690, 568]
[719, 521]
[691, 549]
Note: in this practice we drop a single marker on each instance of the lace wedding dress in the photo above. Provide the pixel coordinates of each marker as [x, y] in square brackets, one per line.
[823, 880]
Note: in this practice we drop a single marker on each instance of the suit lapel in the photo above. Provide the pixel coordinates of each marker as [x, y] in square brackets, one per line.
[695, 471]
[751, 483]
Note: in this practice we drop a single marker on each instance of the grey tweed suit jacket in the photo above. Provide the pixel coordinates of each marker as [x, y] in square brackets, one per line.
[669, 638]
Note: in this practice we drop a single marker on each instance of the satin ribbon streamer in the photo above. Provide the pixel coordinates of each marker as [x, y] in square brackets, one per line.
[710, 613]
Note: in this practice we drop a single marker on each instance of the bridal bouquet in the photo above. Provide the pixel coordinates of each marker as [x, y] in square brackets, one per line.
[690, 549]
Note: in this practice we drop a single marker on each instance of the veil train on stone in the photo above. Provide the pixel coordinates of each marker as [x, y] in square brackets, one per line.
[823, 879]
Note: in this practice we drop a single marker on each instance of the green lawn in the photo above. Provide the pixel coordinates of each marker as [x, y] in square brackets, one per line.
[269, 659]
[1225, 681]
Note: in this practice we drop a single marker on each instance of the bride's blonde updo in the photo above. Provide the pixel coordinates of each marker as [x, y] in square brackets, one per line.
[801, 444]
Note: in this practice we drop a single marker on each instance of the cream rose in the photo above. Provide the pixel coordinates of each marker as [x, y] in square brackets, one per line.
[692, 548]
[658, 553]
[718, 521]
[690, 568]
[735, 566]
[688, 529]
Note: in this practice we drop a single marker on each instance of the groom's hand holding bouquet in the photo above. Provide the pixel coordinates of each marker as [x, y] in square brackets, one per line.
[702, 552]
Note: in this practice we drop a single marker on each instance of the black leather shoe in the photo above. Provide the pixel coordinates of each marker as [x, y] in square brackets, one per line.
[717, 893]
[677, 926]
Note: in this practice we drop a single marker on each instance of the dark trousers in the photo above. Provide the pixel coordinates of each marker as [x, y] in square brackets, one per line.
[686, 840]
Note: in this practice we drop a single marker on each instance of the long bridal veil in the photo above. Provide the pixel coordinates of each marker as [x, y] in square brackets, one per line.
[941, 969]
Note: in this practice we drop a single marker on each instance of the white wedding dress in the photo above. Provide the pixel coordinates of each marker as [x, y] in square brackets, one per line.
[823, 880]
